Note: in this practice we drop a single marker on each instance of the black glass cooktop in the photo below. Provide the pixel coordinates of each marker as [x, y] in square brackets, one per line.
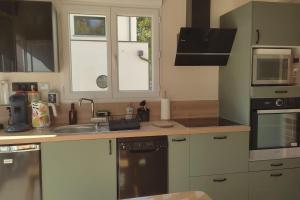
[205, 122]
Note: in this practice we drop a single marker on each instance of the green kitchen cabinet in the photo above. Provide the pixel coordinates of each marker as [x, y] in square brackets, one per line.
[77, 170]
[222, 187]
[178, 163]
[276, 24]
[275, 185]
[219, 153]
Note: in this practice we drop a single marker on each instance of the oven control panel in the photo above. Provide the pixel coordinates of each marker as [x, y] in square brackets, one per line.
[277, 103]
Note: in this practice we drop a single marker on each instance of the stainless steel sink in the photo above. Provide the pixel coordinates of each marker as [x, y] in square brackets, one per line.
[82, 128]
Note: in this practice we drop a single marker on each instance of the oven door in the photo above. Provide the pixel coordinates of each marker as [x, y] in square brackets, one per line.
[272, 69]
[277, 128]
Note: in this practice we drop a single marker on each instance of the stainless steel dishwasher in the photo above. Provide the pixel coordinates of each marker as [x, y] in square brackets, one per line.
[20, 172]
[142, 166]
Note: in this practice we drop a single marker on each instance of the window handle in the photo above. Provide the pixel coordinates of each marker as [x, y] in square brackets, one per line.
[141, 54]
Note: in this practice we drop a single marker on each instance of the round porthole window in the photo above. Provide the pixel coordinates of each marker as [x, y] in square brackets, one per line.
[101, 81]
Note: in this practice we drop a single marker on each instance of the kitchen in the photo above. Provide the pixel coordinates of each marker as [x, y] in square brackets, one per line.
[178, 83]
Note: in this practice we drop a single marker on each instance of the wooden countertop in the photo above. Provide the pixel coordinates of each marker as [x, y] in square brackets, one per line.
[147, 129]
[177, 196]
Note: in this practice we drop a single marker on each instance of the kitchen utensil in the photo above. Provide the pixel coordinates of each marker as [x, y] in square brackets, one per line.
[40, 114]
[143, 112]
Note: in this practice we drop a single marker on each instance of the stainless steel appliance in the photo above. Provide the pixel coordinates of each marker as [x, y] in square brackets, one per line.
[19, 115]
[273, 67]
[142, 166]
[20, 172]
[275, 128]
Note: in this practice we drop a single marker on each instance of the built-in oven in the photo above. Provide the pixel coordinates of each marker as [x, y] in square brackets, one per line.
[272, 67]
[275, 128]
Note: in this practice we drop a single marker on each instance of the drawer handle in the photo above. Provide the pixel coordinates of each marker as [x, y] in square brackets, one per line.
[276, 164]
[220, 180]
[220, 137]
[178, 139]
[110, 147]
[276, 174]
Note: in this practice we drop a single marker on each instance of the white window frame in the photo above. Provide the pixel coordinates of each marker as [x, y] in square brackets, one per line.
[66, 35]
[111, 13]
[133, 12]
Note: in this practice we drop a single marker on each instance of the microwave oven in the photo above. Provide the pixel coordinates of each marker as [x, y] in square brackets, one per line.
[272, 67]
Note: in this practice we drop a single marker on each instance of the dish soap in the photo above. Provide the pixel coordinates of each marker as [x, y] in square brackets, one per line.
[72, 115]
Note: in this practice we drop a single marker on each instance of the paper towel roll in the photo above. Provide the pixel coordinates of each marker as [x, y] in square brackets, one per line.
[165, 109]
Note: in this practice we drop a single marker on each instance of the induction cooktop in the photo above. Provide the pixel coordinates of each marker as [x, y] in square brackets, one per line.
[205, 122]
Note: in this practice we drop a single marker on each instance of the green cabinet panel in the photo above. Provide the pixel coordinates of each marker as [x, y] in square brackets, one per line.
[219, 153]
[222, 187]
[277, 23]
[274, 164]
[178, 163]
[275, 185]
[77, 170]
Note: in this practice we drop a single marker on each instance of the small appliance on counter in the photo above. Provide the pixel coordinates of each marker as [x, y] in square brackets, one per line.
[19, 114]
[143, 112]
[41, 115]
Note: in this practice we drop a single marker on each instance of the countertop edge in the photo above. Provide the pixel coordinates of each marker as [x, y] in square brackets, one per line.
[179, 130]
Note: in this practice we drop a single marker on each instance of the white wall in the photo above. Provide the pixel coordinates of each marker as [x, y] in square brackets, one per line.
[181, 83]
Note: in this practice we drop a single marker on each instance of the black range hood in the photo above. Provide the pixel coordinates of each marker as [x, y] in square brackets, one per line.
[200, 45]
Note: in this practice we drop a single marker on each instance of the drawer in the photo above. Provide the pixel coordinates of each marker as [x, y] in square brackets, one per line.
[222, 187]
[219, 153]
[274, 164]
[275, 185]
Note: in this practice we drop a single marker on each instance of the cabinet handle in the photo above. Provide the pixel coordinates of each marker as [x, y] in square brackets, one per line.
[110, 148]
[276, 174]
[276, 164]
[220, 137]
[220, 180]
[258, 36]
[178, 139]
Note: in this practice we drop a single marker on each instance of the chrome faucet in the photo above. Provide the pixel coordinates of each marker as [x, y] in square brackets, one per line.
[92, 105]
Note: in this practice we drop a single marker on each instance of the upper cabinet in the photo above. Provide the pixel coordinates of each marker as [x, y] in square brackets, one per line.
[28, 37]
[275, 24]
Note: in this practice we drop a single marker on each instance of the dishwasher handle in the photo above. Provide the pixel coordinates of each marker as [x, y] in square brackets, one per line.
[19, 148]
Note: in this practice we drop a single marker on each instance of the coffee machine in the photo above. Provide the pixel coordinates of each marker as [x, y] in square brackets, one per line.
[19, 114]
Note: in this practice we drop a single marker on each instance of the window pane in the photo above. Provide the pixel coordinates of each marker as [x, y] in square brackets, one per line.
[89, 65]
[135, 53]
[88, 27]
[88, 53]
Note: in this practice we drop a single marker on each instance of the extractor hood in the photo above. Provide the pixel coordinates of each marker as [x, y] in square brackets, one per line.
[200, 45]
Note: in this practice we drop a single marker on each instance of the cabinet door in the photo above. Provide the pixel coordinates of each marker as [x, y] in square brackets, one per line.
[276, 24]
[222, 187]
[77, 170]
[178, 163]
[219, 153]
[274, 185]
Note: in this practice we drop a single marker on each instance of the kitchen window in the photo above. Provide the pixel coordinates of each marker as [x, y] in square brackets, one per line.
[113, 52]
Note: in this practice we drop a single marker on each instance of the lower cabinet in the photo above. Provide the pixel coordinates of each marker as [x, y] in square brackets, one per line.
[222, 187]
[77, 170]
[178, 163]
[275, 185]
